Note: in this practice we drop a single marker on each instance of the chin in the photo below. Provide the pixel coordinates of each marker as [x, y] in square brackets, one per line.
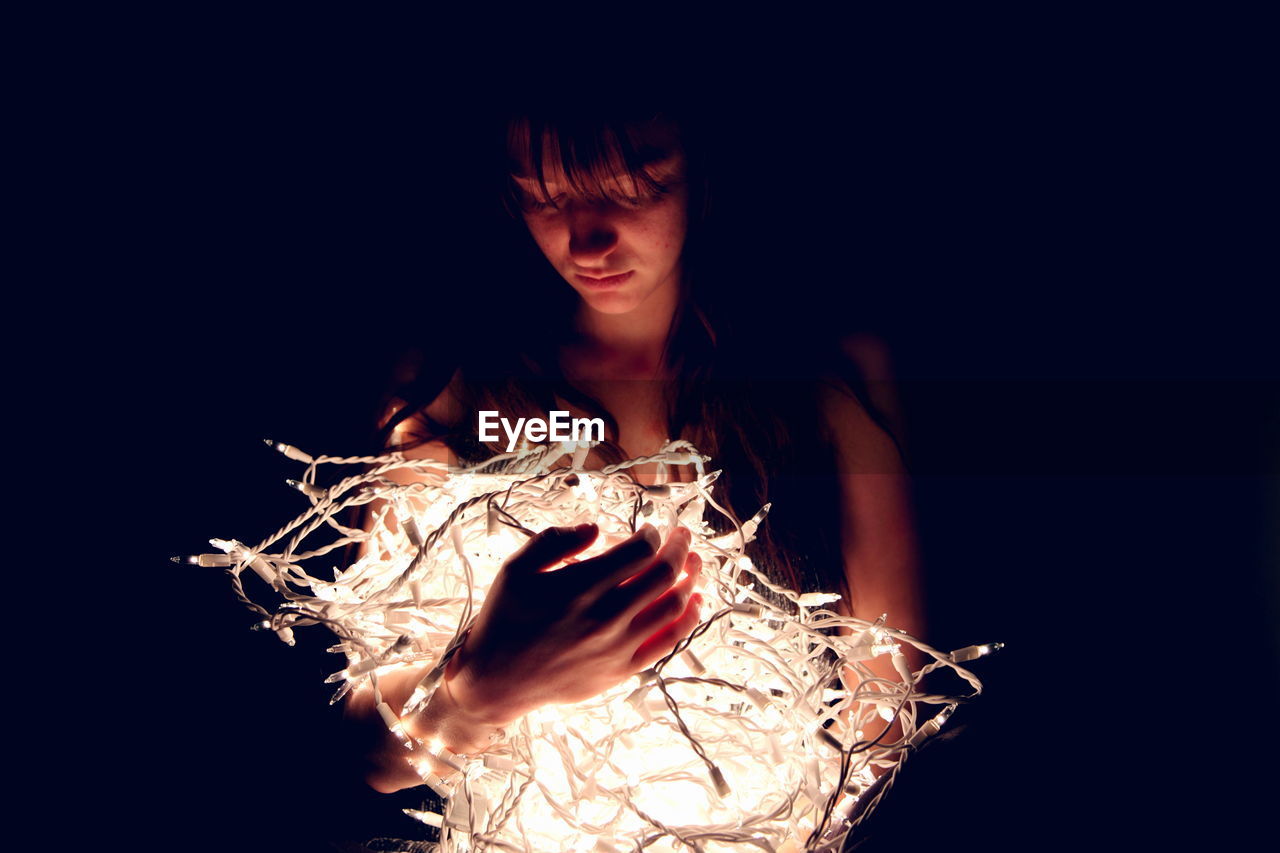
[611, 303]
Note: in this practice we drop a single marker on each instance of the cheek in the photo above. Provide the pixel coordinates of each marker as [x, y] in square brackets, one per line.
[667, 231]
[544, 233]
[658, 231]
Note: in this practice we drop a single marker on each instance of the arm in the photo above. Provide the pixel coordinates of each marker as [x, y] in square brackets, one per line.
[878, 541]
[461, 730]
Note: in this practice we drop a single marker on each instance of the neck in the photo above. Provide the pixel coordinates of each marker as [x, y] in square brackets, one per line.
[639, 334]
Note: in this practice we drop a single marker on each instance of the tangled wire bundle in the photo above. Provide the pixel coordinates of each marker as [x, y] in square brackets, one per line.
[744, 736]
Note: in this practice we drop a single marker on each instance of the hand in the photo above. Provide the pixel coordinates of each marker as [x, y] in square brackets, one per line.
[551, 633]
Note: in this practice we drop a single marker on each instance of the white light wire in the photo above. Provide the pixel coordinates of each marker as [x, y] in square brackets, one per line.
[737, 739]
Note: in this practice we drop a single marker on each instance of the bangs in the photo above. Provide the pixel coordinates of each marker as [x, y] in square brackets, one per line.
[600, 159]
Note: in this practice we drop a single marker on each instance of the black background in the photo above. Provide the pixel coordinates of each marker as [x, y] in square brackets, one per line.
[1050, 248]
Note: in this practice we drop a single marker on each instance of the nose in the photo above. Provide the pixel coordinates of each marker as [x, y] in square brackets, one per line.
[592, 234]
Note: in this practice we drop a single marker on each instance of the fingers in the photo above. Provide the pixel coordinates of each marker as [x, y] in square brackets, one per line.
[668, 605]
[549, 547]
[589, 579]
[661, 643]
[625, 599]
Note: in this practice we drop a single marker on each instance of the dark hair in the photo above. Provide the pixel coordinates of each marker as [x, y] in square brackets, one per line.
[757, 418]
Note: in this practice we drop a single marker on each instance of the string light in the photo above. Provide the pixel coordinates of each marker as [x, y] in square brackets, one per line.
[969, 653]
[311, 491]
[739, 738]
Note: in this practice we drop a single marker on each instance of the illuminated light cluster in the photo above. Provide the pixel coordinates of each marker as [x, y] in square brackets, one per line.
[744, 737]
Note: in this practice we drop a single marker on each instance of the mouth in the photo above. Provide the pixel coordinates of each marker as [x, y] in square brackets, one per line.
[604, 282]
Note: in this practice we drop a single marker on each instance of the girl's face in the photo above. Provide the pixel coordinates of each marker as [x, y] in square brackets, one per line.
[617, 246]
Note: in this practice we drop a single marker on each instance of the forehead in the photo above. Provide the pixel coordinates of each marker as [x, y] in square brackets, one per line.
[654, 146]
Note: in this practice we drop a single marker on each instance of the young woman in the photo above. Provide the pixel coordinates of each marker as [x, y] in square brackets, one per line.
[640, 331]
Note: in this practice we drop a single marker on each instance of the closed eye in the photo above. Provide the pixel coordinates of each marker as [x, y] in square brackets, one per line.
[533, 203]
[649, 196]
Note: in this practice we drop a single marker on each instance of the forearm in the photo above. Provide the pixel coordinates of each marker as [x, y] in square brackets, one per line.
[444, 722]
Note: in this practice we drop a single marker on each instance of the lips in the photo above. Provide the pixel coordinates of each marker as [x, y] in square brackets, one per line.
[604, 281]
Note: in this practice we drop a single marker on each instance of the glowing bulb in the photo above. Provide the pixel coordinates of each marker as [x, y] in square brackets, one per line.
[816, 599]
[289, 450]
[205, 561]
[586, 489]
[307, 489]
[929, 729]
[240, 553]
[428, 817]
[434, 782]
[969, 653]
[866, 652]
[394, 725]
[747, 700]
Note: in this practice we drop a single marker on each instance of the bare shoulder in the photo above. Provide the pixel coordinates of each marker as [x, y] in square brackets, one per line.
[446, 408]
[862, 446]
[415, 433]
[878, 528]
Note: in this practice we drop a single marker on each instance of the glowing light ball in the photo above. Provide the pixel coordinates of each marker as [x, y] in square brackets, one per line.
[743, 737]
